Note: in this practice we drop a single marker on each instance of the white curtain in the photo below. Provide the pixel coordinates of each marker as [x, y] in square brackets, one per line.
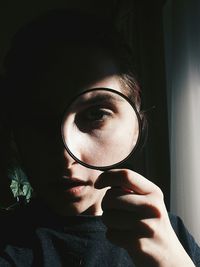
[182, 46]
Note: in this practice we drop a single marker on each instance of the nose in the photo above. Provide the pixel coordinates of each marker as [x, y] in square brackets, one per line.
[68, 160]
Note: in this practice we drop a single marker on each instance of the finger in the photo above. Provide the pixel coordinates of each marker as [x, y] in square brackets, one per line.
[128, 238]
[120, 220]
[124, 220]
[139, 248]
[125, 178]
[144, 205]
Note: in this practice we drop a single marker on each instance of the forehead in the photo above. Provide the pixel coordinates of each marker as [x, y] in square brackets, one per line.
[74, 70]
[95, 97]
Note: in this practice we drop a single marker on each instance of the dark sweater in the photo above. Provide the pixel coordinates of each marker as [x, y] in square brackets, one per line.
[34, 236]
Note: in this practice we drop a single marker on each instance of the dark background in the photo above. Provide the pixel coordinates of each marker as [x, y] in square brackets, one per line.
[141, 22]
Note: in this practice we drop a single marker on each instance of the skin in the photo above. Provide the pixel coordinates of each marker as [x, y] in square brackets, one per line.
[90, 122]
[137, 220]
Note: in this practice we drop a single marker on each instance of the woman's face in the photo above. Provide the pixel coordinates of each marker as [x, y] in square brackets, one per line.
[64, 184]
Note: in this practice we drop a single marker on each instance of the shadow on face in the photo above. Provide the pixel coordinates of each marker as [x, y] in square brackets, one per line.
[37, 131]
[74, 69]
[45, 77]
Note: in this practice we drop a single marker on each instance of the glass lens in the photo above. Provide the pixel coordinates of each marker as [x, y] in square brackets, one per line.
[100, 128]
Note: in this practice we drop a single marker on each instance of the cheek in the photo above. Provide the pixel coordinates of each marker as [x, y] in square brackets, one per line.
[38, 137]
[96, 175]
[93, 175]
[39, 154]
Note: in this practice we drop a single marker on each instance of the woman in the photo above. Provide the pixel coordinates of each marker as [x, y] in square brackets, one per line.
[53, 59]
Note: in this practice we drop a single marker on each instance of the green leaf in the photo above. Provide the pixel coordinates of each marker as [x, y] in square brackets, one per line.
[20, 185]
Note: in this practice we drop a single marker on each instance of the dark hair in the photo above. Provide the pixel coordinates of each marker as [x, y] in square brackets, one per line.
[32, 45]
[31, 50]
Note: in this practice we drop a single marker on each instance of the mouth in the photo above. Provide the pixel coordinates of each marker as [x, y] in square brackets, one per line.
[71, 181]
[73, 186]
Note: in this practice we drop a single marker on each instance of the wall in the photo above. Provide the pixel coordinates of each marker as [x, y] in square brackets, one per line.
[182, 39]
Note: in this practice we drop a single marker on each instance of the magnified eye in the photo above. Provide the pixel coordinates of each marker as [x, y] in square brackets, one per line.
[93, 118]
[100, 128]
[97, 114]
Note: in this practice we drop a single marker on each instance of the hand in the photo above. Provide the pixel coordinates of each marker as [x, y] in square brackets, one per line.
[137, 220]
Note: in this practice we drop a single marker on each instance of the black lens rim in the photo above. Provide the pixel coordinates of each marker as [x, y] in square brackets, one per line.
[103, 168]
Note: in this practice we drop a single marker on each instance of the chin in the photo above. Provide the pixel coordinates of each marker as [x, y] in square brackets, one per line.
[72, 207]
[77, 208]
[66, 205]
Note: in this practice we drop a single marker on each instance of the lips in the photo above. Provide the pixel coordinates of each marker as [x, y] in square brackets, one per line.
[70, 182]
[74, 187]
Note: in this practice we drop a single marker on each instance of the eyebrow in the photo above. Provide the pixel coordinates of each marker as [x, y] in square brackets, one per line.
[99, 98]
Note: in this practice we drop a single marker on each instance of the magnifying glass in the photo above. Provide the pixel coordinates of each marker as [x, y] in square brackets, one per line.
[101, 128]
